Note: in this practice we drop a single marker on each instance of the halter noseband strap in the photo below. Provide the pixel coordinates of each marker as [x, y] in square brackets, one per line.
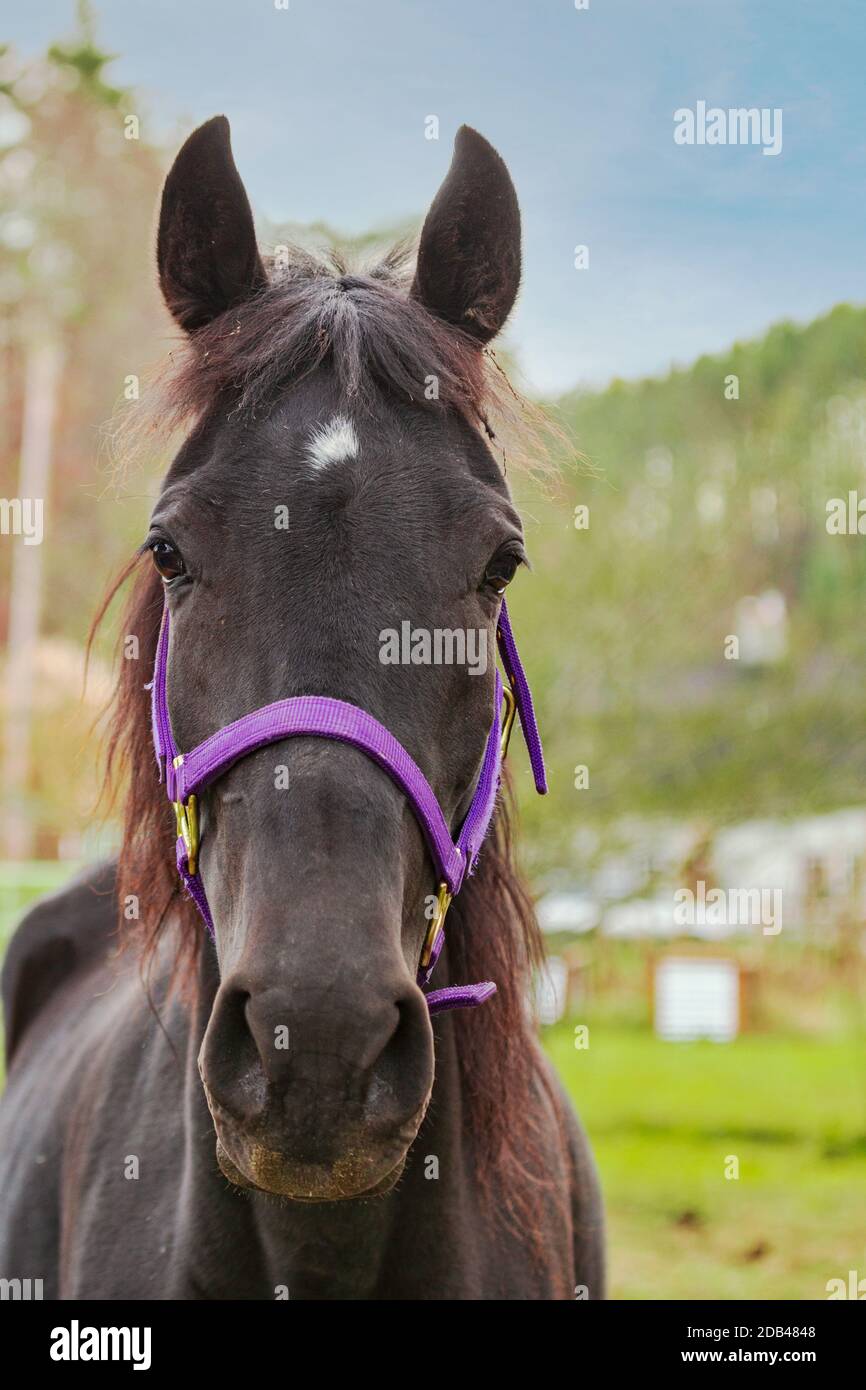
[319, 716]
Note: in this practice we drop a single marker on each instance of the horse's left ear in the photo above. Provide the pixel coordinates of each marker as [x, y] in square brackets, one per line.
[206, 251]
[468, 270]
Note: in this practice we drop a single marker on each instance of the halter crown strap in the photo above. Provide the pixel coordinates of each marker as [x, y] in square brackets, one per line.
[319, 716]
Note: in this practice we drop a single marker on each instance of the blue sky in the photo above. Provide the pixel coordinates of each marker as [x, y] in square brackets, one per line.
[691, 247]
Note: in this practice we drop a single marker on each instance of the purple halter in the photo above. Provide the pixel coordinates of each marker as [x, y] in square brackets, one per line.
[186, 774]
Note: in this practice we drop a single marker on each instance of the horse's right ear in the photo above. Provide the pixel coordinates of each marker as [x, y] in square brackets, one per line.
[206, 251]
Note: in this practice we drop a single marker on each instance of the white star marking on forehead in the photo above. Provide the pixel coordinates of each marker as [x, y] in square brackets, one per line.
[331, 442]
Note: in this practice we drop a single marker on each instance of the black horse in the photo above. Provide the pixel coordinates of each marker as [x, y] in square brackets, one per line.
[337, 479]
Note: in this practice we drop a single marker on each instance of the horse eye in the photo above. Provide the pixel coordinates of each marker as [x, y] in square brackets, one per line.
[168, 561]
[501, 571]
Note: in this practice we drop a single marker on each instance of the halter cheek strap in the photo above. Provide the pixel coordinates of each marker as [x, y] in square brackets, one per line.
[187, 774]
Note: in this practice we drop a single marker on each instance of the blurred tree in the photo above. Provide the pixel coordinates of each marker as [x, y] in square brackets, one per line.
[700, 500]
[78, 186]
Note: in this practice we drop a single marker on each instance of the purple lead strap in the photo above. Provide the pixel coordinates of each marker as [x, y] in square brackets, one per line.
[319, 716]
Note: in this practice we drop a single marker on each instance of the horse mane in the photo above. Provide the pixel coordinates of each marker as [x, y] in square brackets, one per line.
[376, 338]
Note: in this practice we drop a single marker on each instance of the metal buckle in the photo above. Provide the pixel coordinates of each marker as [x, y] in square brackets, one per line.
[186, 817]
[187, 829]
[443, 902]
[508, 720]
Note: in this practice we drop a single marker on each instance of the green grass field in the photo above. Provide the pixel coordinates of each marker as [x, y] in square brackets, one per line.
[663, 1120]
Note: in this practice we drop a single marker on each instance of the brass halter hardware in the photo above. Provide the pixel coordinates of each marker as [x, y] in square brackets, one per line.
[437, 924]
[186, 817]
[507, 719]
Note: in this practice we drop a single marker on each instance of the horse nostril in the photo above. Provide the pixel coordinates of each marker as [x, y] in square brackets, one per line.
[229, 1058]
[405, 1055]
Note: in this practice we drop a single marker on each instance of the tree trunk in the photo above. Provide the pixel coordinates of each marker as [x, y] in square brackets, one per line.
[44, 363]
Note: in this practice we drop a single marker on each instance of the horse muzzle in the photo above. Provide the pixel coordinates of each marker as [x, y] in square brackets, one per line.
[332, 1113]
